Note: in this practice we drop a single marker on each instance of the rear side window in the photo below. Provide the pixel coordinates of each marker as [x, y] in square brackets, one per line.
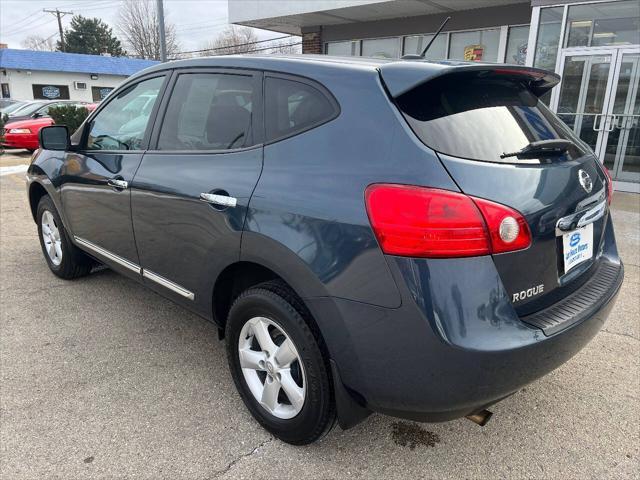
[481, 117]
[292, 107]
[208, 111]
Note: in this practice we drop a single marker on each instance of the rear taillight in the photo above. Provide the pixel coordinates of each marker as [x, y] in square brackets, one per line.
[425, 222]
[507, 228]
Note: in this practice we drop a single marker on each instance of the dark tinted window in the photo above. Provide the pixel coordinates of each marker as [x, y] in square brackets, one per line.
[481, 117]
[293, 106]
[208, 111]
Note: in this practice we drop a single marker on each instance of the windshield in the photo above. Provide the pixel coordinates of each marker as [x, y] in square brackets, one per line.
[482, 116]
[13, 107]
[28, 109]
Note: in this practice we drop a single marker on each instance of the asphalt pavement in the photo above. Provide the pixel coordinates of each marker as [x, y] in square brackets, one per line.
[101, 378]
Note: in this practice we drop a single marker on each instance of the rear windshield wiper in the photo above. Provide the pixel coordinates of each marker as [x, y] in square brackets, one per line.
[542, 148]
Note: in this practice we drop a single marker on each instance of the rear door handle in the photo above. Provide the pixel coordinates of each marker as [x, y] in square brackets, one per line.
[222, 200]
[114, 182]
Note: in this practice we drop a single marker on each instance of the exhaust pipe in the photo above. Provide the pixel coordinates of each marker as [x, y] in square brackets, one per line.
[481, 418]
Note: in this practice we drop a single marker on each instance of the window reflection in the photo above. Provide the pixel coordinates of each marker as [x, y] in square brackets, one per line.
[603, 24]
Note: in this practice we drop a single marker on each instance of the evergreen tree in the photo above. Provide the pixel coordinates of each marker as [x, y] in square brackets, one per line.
[92, 36]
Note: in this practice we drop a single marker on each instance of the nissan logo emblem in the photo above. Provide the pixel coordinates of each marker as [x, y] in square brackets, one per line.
[585, 181]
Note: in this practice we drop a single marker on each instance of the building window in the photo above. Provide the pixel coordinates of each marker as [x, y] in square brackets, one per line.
[517, 40]
[548, 38]
[603, 24]
[342, 49]
[6, 93]
[479, 45]
[51, 92]
[100, 93]
[381, 47]
[415, 44]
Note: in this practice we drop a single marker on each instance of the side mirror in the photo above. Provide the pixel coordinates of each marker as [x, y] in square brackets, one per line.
[55, 137]
[36, 115]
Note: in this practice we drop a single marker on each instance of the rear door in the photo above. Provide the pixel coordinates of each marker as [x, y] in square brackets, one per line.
[474, 120]
[190, 194]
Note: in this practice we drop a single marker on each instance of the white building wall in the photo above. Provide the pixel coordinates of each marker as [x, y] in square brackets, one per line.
[21, 81]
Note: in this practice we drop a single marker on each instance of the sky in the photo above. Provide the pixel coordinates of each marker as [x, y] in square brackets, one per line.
[197, 21]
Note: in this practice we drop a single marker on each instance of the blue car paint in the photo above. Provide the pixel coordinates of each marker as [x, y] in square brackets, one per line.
[430, 339]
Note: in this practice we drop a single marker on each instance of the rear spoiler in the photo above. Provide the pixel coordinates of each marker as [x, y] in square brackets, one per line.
[400, 77]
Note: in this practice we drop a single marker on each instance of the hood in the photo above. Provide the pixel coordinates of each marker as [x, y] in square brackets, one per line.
[32, 122]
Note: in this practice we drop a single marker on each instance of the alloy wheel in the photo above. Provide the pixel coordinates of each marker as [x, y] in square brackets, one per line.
[272, 367]
[51, 238]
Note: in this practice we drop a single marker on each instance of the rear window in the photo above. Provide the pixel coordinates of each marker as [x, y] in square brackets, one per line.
[482, 116]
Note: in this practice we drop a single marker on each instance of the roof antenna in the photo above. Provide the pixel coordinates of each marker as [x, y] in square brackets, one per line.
[424, 52]
[434, 37]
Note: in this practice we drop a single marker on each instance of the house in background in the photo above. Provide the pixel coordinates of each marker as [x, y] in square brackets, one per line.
[31, 75]
[594, 45]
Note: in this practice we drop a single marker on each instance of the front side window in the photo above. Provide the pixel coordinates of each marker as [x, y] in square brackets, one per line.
[482, 117]
[208, 111]
[122, 123]
[292, 107]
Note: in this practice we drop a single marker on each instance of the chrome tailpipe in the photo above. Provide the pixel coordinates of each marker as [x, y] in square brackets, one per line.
[481, 418]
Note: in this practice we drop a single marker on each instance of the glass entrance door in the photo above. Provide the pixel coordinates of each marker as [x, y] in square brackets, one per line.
[621, 140]
[599, 100]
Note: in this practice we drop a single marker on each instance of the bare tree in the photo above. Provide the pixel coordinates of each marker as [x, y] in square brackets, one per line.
[138, 24]
[36, 42]
[287, 47]
[232, 40]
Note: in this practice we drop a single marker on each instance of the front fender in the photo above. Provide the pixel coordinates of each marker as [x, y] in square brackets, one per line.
[44, 173]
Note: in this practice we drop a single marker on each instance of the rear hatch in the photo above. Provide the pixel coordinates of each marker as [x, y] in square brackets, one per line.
[486, 124]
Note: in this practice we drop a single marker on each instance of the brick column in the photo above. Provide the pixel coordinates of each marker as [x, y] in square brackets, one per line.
[312, 41]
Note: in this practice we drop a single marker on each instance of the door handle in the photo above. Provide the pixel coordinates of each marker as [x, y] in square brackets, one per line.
[114, 182]
[595, 123]
[222, 200]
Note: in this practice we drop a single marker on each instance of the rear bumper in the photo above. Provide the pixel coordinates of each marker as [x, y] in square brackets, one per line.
[456, 344]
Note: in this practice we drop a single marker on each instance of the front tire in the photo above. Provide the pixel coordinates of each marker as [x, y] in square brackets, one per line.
[278, 365]
[64, 259]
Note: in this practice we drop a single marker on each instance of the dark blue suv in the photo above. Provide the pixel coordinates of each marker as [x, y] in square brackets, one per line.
[416, 238]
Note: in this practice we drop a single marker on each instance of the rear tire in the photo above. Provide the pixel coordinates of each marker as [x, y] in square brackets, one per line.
[64, 259]
[295, 421]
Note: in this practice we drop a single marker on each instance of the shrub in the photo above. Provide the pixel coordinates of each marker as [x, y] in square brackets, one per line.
[69, 115]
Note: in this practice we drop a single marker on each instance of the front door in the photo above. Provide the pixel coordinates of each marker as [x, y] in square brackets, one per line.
[598, 99]
[191, 192]
[95, 179]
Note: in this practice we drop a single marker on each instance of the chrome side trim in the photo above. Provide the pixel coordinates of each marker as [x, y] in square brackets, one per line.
[168, 284]
[107, 254]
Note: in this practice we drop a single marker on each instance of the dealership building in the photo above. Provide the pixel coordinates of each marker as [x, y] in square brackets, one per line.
[594, 45]
[32, 75]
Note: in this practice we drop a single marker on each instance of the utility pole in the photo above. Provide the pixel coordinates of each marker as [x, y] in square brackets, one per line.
[163, 40]
[59, 14]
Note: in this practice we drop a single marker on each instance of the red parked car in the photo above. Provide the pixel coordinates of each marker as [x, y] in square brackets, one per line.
[24, 133]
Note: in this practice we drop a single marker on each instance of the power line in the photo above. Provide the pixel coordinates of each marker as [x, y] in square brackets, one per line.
[236, 45]
[249, 51]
